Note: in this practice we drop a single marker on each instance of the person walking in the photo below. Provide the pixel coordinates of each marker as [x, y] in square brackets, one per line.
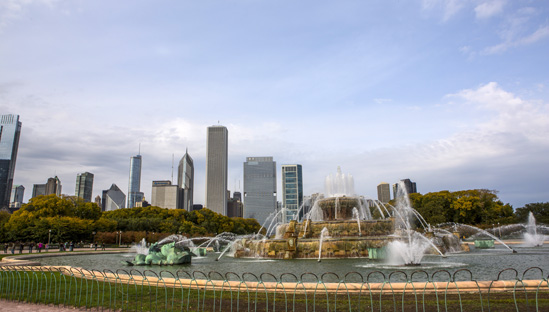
[102, 245]
[12, 248]
[6, 248]
[31, 245]
[40, 247]
[95, 245]
[21, 246]
[71, 246]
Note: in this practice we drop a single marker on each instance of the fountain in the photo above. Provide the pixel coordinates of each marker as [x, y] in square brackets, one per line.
[173, 249]
[353, 230]
[531, 237]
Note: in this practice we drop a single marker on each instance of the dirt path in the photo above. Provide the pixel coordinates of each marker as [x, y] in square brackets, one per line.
[10, 306]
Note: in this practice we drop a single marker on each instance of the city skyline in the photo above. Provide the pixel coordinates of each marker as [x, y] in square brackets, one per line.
[453, 95]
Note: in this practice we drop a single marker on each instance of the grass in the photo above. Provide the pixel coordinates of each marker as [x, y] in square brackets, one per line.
[55, 288]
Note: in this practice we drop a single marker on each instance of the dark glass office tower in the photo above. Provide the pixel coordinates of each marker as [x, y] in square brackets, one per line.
[10, 130]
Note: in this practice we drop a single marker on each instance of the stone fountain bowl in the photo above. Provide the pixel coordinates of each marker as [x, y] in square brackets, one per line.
[338, 208]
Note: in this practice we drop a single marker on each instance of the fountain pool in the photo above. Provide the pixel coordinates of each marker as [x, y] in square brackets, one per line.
[483, 264]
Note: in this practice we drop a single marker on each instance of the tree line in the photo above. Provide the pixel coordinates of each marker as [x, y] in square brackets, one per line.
[63, 219]
[478, 207]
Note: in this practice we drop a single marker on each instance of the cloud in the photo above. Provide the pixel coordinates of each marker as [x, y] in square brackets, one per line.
[541, 33]
[448, 8]
[12, 10]
[489, 8]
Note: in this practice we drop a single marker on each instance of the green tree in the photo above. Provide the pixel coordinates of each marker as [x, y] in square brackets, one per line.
[540, 211]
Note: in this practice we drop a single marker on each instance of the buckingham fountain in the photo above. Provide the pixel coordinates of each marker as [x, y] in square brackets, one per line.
[341, 224]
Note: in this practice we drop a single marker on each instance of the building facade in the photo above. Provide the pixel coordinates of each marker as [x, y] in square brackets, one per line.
[409, 186]
[17, 194]
[185, 181]
[384, 192]
[84, 186]
[134, 183]
[53, 186]
[217, 169]
[38, 189]
[235, 207]
[259, 188]
[164, 194]
[10, 131]
[113, 199]
[292, 191]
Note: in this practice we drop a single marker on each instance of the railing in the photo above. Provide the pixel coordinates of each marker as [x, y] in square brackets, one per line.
[134, 290]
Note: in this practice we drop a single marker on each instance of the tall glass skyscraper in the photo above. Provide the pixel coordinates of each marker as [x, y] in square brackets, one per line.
[134, 185]
[84, 186]
[259, 188]
[292, 190]
[185, 181]
[217, 169]
[10, 130]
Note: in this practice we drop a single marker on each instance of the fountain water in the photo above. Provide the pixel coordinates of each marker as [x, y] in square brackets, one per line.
[531, 237]
[323, 235]
[354, 231]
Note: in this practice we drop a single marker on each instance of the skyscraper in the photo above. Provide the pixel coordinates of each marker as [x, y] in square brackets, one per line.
[113, 199]
[164, 194]
[53, 186]
[10, 130]
[134, 185]
[292, 190]
[185, 181]
[17, 193]
[217, 169]
[409, 186]
[259, 188]
[84, 186]
[384, 192]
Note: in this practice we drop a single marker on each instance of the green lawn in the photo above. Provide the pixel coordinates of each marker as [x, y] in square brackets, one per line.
[58, 289]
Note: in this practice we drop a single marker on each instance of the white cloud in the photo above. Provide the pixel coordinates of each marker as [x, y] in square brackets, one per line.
[489, 8]
[448, 8]
[11, 10]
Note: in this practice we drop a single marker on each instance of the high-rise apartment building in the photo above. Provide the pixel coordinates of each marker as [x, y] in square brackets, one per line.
[217, 169]
[384, 192]
[84, 186]
[17, 194]
[113, 199]
[164, 194]
[259, 188]
[10, 131]
[185, 181]
[292, 190]
[134, 184]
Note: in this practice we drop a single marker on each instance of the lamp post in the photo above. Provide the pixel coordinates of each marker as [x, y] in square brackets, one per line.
[49, 240]
[120, 240]
[499, 227]
[93, 237]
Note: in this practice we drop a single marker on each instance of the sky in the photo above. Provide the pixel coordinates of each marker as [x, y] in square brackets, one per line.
[452, 94]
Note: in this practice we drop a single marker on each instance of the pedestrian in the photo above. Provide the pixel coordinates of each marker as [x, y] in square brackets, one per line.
[31, 244]
[12, 248]
[40, 247]
[95, 246]
[6, 248]
[21, 246]
[71, 248]
[102, 245]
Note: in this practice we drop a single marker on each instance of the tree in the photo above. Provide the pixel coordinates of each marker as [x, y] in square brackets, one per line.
[540, 211]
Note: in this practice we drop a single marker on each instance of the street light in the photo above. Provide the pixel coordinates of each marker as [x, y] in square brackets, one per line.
[49, 240]
[120, 240]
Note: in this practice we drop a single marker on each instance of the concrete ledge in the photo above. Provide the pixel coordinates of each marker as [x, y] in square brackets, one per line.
[303, 288]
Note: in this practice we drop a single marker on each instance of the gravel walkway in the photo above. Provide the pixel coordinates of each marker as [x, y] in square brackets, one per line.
[10, 306]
